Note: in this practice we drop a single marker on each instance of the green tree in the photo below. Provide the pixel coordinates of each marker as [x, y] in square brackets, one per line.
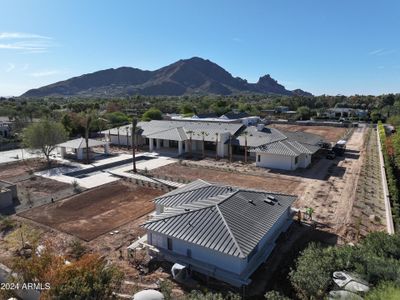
[187, 109]
[44, 135]
[312, 275]
[304, 112]
[117, 118]
[274, 295]
[152, 114]
[386, 291]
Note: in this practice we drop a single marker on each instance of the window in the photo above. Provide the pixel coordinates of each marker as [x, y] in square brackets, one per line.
[258, 158]
[296, 160]
[189, 253]
[169, 244]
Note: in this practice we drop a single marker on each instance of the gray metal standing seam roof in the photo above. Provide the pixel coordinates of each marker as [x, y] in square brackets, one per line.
[286, 147]
[189, 196]
[232, 223]
[257, 138]
[268, 140]
[187, 187]
[190, 128]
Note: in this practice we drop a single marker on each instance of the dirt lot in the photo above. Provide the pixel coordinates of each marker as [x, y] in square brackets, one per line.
[273, 183]
[332, 193]
[98, 211]
[42, 187]
[20, 170]
[331, 134]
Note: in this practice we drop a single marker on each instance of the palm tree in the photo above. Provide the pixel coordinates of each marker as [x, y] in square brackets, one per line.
[119, 143]
[203, 134]
[127, 136]
[230, 147]
[245, 133]
[87, 122]
[216, 146]
[190, 132]
[134, 124]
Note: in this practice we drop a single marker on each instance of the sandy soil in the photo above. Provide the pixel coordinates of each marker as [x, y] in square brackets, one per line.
[98, 211]
[332, 190]
[267, 182]
[368, 212]
[21, 170]
[42, 187]
[331, 134]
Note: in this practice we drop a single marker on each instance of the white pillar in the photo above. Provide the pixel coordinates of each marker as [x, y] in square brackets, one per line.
[187, 146]
[63, 152]
[151, 144]
[106, 148]
[180, 150]
[158, 143]
[79, 153]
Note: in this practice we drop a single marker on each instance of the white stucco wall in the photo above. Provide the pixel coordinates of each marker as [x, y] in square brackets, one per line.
[275, 161]
[304, 160]
[122, 138]
[223, 261]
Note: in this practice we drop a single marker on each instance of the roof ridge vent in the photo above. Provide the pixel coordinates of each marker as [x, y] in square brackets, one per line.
[270, 197]
[269, 201]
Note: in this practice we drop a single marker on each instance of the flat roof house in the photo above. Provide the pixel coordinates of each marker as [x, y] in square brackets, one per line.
[220, 231]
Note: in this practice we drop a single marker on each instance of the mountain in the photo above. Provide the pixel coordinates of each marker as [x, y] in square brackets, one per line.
[184, 77]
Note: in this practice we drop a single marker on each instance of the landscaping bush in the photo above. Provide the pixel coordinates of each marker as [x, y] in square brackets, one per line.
[392, 167]
[386, 290]
[376, 259]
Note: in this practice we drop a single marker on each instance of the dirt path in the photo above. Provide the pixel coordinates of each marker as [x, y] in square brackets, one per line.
[331, 192]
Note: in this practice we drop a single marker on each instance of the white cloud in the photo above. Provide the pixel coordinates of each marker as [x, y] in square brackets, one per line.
[21, 35]
[25, 67]
[374, 52]
[382, 51]
[44, 73]
[10, 67]
[27, 42]
[237, 40]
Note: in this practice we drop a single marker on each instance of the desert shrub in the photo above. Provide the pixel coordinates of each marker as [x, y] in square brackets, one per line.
[77, 249]
[392, 167]
[385, 290]
[274, 295]
[7, 224]
[375, 259]
[76, 186]
[198, 295]
[166, 289]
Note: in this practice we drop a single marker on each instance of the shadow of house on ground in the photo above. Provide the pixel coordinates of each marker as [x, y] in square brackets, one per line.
[273, 274]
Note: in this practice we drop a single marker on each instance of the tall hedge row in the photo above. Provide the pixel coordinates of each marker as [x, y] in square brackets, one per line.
[392, 167]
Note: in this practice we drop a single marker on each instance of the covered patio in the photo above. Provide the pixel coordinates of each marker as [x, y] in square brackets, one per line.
[77, 148]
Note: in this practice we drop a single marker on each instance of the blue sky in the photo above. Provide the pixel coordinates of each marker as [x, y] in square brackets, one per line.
[322, 46]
